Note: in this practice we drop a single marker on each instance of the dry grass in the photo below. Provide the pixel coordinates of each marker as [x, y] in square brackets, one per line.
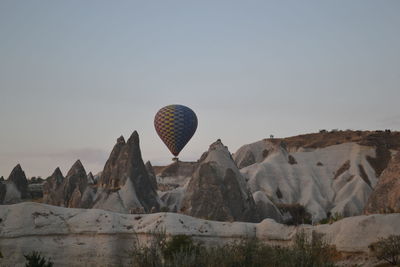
[387, 249]
[181, 250]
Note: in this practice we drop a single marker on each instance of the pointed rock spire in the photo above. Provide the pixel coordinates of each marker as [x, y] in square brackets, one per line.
[18, 177]
[57, 176]
[111, 169]
[76, 179]
[152, 174]
[218, 191]
[3, 191]
[125, 162]
[53, 189]
[90, 178]
[77, 168]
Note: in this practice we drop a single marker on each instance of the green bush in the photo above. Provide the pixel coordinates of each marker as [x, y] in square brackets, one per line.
[34, 259]
[387, 249]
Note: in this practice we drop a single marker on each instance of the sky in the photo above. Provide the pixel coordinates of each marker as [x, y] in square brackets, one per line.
[75, 75]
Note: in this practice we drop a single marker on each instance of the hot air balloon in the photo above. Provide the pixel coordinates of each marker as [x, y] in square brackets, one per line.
[175, 125]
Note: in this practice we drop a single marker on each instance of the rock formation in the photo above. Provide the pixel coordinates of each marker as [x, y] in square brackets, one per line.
[172, 199]
[36, 191]
[18, 177]
[75, 184]
[76, 237]
[115, 167]
[175, 175]
[329, 179]
[152, 175]
[265, 207]
[386, 195]
[3, 191]
[253, 153]
[67, 191]
[124, 185]
[126, 163]
[96, 177]
[90, 178]
[177, 169]
[217, 190]
[53, 192]
[327, 173]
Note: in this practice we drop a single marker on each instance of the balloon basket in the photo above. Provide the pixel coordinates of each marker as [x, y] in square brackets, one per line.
[175, 159]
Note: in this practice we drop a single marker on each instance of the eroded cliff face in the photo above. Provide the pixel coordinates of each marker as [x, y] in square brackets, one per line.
[327, 180]
[217, 190]
[386, 195]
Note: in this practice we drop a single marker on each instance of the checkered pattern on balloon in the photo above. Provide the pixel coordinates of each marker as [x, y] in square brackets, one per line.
[175, 125]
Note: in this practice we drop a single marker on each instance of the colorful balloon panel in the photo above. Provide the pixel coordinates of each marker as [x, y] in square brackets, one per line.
[175, 125]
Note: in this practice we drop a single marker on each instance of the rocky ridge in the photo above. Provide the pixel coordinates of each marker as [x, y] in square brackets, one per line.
[76, 237]
[328, 173]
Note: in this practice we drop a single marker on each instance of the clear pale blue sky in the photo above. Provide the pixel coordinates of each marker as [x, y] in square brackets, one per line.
[75, 75]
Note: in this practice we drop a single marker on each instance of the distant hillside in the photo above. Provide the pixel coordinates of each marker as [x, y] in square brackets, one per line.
[335, 137]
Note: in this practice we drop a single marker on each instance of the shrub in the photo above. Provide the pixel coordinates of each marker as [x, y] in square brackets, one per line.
[332, 218]
[34, 259]
[311, 251]
[182, 251]
[150, 254]
[177, 245]
[387, 249]
[164, 209]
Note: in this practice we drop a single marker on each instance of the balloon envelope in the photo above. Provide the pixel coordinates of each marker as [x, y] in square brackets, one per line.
[175, 125]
